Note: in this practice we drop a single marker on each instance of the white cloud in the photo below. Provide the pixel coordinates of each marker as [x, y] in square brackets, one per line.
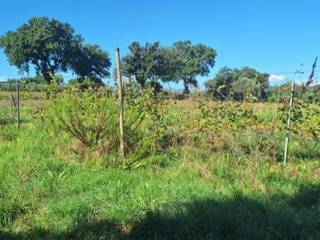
[276, 78]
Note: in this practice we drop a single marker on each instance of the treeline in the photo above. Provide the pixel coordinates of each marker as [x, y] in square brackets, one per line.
[51, 47]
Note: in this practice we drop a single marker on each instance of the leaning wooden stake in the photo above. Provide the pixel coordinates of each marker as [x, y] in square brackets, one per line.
[288, 125]
[120, 93]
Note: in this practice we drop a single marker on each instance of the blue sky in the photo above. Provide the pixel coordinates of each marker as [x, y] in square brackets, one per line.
[272, 36]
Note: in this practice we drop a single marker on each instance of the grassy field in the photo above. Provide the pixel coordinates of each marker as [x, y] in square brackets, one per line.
[192, 194]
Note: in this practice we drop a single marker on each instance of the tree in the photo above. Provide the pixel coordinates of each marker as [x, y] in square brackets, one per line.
[251, 83]
[145, 63]
[51, 46]
[221, 85]
[151, 63]
[244, 88]
[191, 61]
[90, 62]
[239, 84]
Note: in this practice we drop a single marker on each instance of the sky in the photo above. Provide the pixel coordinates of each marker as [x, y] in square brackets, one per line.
[274, 36]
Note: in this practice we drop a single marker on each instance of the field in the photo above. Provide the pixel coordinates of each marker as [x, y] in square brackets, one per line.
[207, 186]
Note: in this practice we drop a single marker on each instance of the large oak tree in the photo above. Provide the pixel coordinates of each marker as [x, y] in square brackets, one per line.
[145, 63]
[52, 46]
[190, 61]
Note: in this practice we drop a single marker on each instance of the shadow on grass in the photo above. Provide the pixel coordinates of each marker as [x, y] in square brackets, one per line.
[276, 217]
[95, 230]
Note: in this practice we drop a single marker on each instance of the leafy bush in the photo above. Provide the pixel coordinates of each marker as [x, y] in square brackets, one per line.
[86, 123]
[217, 124]
[87, 119]
[147, 125]
[305, 119]
[311, 121]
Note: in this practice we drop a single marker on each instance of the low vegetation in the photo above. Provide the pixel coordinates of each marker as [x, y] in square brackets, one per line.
[195, 169]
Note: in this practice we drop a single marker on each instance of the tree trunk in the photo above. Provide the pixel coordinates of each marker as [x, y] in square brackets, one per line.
[186, 87]
[47, 76]
[141, 82]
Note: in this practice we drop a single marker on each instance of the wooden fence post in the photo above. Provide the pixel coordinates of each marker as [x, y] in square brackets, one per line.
[288, 125]
[18, 103]
[11, 99]
[120, 93]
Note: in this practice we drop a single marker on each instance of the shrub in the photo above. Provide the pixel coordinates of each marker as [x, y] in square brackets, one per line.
[88, 120]
[218, 124]
[305, 119]
[147, 125]
[86, 123]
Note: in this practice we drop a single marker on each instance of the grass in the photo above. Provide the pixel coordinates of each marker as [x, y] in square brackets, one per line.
[195, 195]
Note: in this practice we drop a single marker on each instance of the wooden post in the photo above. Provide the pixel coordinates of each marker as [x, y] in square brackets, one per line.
[18, 103]
[120, 93]
[11, 99]
[288, 124]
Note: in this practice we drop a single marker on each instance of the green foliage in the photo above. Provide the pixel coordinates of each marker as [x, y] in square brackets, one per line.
[86, 83]
[239, 84]
[90, 62]
[144, 63]
[305, 118]
[221, 86]
[7, 114]
[183, 61]
[51, 46]
[7, 133]
[89, 120]
[190, 61]
[202, 195]
[312, 95]
[311, 121]
[147, 123]
[217, 125]
[203, 167]
[34, 80]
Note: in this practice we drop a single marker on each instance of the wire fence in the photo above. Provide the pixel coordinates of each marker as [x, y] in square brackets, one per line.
[16, 96]
[29, 92]
[10, 102]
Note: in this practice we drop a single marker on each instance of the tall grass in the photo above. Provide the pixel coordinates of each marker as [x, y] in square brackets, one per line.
[193, 193]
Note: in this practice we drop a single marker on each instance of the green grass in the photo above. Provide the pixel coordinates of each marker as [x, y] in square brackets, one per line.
[196, 195]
